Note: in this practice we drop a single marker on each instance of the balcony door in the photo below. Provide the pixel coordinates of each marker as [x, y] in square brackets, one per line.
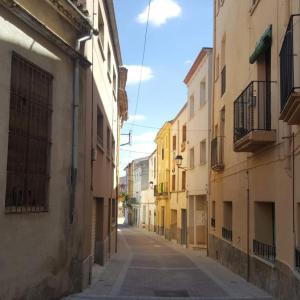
[263, 92]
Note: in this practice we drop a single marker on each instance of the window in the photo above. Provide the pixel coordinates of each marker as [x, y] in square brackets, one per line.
[192, 107]
[223, 66]
[29, 137]
[108, 142]
[203, 152]
[100, 27]
[227, 220]
[217, 67]
[114, 81]
[184, 133]
[174, 142]
[99, 127]
[264, 229]
[113, 150]
[173, 182]
[213, 214]
[192, 158]
[113, 211]
[183, 180]
[202, 93]
[162, 153]
[108, 60]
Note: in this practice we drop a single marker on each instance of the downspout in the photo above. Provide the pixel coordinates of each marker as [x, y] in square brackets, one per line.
[76, 96]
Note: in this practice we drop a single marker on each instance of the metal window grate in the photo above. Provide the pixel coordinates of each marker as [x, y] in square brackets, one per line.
[29, 138]
[227, 234]
[265, 251]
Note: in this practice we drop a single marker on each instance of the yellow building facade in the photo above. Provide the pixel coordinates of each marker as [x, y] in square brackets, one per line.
[254, 202]
[162, 188]
[178, 195]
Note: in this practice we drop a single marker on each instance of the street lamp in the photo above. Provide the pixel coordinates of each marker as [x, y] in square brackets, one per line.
[151, 185]
[178, 160]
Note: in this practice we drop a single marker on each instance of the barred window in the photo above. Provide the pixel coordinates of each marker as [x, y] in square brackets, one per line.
[29, 138]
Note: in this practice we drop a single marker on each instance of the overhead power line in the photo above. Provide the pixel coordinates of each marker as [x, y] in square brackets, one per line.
[152, 127]
[142, 64]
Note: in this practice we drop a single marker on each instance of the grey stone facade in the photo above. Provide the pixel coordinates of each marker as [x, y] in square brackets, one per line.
[277, 279]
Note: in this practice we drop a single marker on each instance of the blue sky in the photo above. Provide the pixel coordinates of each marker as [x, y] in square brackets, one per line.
[177, 31]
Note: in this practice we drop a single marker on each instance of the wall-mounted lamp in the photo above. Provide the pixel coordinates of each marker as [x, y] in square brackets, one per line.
[178, 160]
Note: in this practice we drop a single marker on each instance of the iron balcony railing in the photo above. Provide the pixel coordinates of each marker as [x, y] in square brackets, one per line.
[290, 60]
[213, 222]
[252, 109]
[217, 152]
[227, 234]
[297, 259]
[265, 251]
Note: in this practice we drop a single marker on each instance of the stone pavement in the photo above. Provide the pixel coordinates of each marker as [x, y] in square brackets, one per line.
[149, 267]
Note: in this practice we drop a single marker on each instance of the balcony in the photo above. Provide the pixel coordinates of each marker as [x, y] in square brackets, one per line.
[297, 259]
[290, 73]
[252, 117]
[265, 251]
[227, 234]
[217, 153]
[161, 190]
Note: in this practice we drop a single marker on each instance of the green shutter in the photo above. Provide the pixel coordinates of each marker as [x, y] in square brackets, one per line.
[262, 45]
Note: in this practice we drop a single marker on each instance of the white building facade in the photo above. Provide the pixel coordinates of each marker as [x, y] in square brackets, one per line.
[147, 205]
[198, 81]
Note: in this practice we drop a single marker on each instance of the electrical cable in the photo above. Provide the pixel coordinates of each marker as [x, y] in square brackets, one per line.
[142, 64]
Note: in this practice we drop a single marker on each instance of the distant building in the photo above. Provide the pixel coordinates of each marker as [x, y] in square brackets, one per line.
[147, 204]
[140, 183]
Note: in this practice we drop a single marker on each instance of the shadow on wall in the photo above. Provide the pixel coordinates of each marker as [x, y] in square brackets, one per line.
[49, 248]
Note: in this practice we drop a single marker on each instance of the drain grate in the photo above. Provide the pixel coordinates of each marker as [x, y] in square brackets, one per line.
[172, 293]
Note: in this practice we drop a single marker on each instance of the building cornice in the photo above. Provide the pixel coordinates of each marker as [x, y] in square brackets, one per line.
[113, 30]
[20, 12]
[74, 12]
[197, 62]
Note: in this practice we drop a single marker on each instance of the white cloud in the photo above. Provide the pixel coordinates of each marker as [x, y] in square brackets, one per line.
[160, 12]
[136, 118]
[135, 72]
[145, 137]
[188, 62]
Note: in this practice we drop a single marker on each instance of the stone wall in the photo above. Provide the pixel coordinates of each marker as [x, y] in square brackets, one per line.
[277, 279]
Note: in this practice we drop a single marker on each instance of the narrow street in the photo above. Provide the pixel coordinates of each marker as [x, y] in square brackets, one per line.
[148, 267]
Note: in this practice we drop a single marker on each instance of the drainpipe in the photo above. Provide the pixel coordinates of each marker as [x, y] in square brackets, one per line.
[76, 95]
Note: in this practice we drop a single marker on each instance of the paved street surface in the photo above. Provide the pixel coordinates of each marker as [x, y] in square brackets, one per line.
[148, 267]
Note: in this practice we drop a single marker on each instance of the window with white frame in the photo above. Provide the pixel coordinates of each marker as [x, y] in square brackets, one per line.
[192, 158]
[203, 152]
[202, 93]
[100, 27]
[192, 106]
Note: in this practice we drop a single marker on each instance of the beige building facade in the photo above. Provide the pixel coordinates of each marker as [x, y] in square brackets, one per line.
[254, 201]
[50, 91]
[199, 84]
